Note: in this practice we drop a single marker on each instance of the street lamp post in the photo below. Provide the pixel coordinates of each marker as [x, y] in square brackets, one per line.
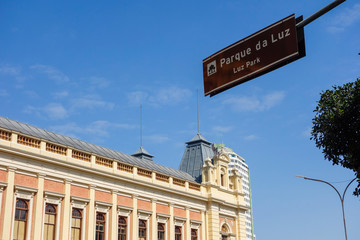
[341, 197]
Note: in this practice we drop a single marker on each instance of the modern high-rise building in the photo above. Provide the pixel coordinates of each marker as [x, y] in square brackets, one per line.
[238, 162]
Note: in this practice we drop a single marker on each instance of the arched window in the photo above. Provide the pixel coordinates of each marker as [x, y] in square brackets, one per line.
[222, 179]
[122, 228]
[21, 214]
[50, 221]
[178, 235]
[224, 232]
[194, 234]
[76, 222]
[161, 231]
[142, 229]
[100, 226]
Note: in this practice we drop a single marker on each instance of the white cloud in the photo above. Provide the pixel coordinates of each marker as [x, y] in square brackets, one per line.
[90, 102]
[159, 97]
[157, 138]
[10, 70]
[61, 94]
[14, 72]
[307, 132]
[31, 94]
[345, 19]
[254, 103]
[100, 128]
[251, 137]
[221, 129]
[53, 111]
[98, 82]
[137, 97]
[51, 72]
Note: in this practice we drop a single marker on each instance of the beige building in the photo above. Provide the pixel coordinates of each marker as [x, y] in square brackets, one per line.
[56, 187]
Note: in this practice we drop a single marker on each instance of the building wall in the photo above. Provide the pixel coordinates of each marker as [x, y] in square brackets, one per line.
[43, 177]
[237, 162]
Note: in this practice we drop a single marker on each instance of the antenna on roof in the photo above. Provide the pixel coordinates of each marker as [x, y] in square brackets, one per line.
[141, 125]
[198, 121]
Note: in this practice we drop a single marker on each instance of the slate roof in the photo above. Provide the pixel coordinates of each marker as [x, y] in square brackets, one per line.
[74, 143]
[197, 150]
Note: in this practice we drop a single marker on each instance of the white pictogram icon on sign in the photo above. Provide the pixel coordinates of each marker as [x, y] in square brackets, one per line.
[211, 68]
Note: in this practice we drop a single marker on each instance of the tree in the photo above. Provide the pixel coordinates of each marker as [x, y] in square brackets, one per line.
[336, 127]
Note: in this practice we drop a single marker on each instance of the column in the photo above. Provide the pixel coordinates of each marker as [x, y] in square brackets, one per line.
[64, 234]
[153, 220]
[187, 232]
[8, 203]
[237, 230]
[213, 221]
[171, 222]
[114, 222]
[135, 220]
[203, 235]
[91, 213]
[39, 207]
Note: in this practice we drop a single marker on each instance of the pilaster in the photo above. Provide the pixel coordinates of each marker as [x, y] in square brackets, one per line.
[213, 221]
[203, 226]
[171, 222]
[114, 222]
[135, 221]
[66, 211]
[187, 224]
[8, 203]
[39, 206]
[91, 213]
[153, 220]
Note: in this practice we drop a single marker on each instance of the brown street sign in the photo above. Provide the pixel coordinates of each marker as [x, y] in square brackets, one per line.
[255, 55]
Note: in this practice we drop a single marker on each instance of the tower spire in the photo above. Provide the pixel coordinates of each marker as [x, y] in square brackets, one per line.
[141, 152]
[198, 120]
[141, 144]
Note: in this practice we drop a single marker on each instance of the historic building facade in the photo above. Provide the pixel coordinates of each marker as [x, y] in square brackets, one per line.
[54, 187]
[238, 162]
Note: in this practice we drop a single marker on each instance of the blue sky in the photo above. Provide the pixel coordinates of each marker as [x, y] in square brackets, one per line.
[82, 68]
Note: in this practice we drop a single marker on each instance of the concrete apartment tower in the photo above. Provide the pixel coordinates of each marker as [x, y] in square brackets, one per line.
[238, 162]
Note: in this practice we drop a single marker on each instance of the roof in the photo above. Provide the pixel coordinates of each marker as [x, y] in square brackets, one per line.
[198, 138]
[197, 150]
[143, 154]
[74, 143]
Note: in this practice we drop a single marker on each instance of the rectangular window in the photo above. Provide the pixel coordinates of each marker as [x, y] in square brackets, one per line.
[161, 231]
[142, 229]
[76, 224]
[100, 226]
[194, 234]
[21, 214]
[122, 228]
[178, 233]
[50, 221]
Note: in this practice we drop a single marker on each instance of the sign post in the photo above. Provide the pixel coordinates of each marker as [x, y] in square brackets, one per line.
[264, 51]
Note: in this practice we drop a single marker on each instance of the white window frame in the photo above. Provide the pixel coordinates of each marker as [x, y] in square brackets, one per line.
[178, 221]
[124, 212]
[163, 218]
[25, 193]
[79, 203]
[103, 207]
[2, 186]
[144, 215]
[54, 199]
[195, 225]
